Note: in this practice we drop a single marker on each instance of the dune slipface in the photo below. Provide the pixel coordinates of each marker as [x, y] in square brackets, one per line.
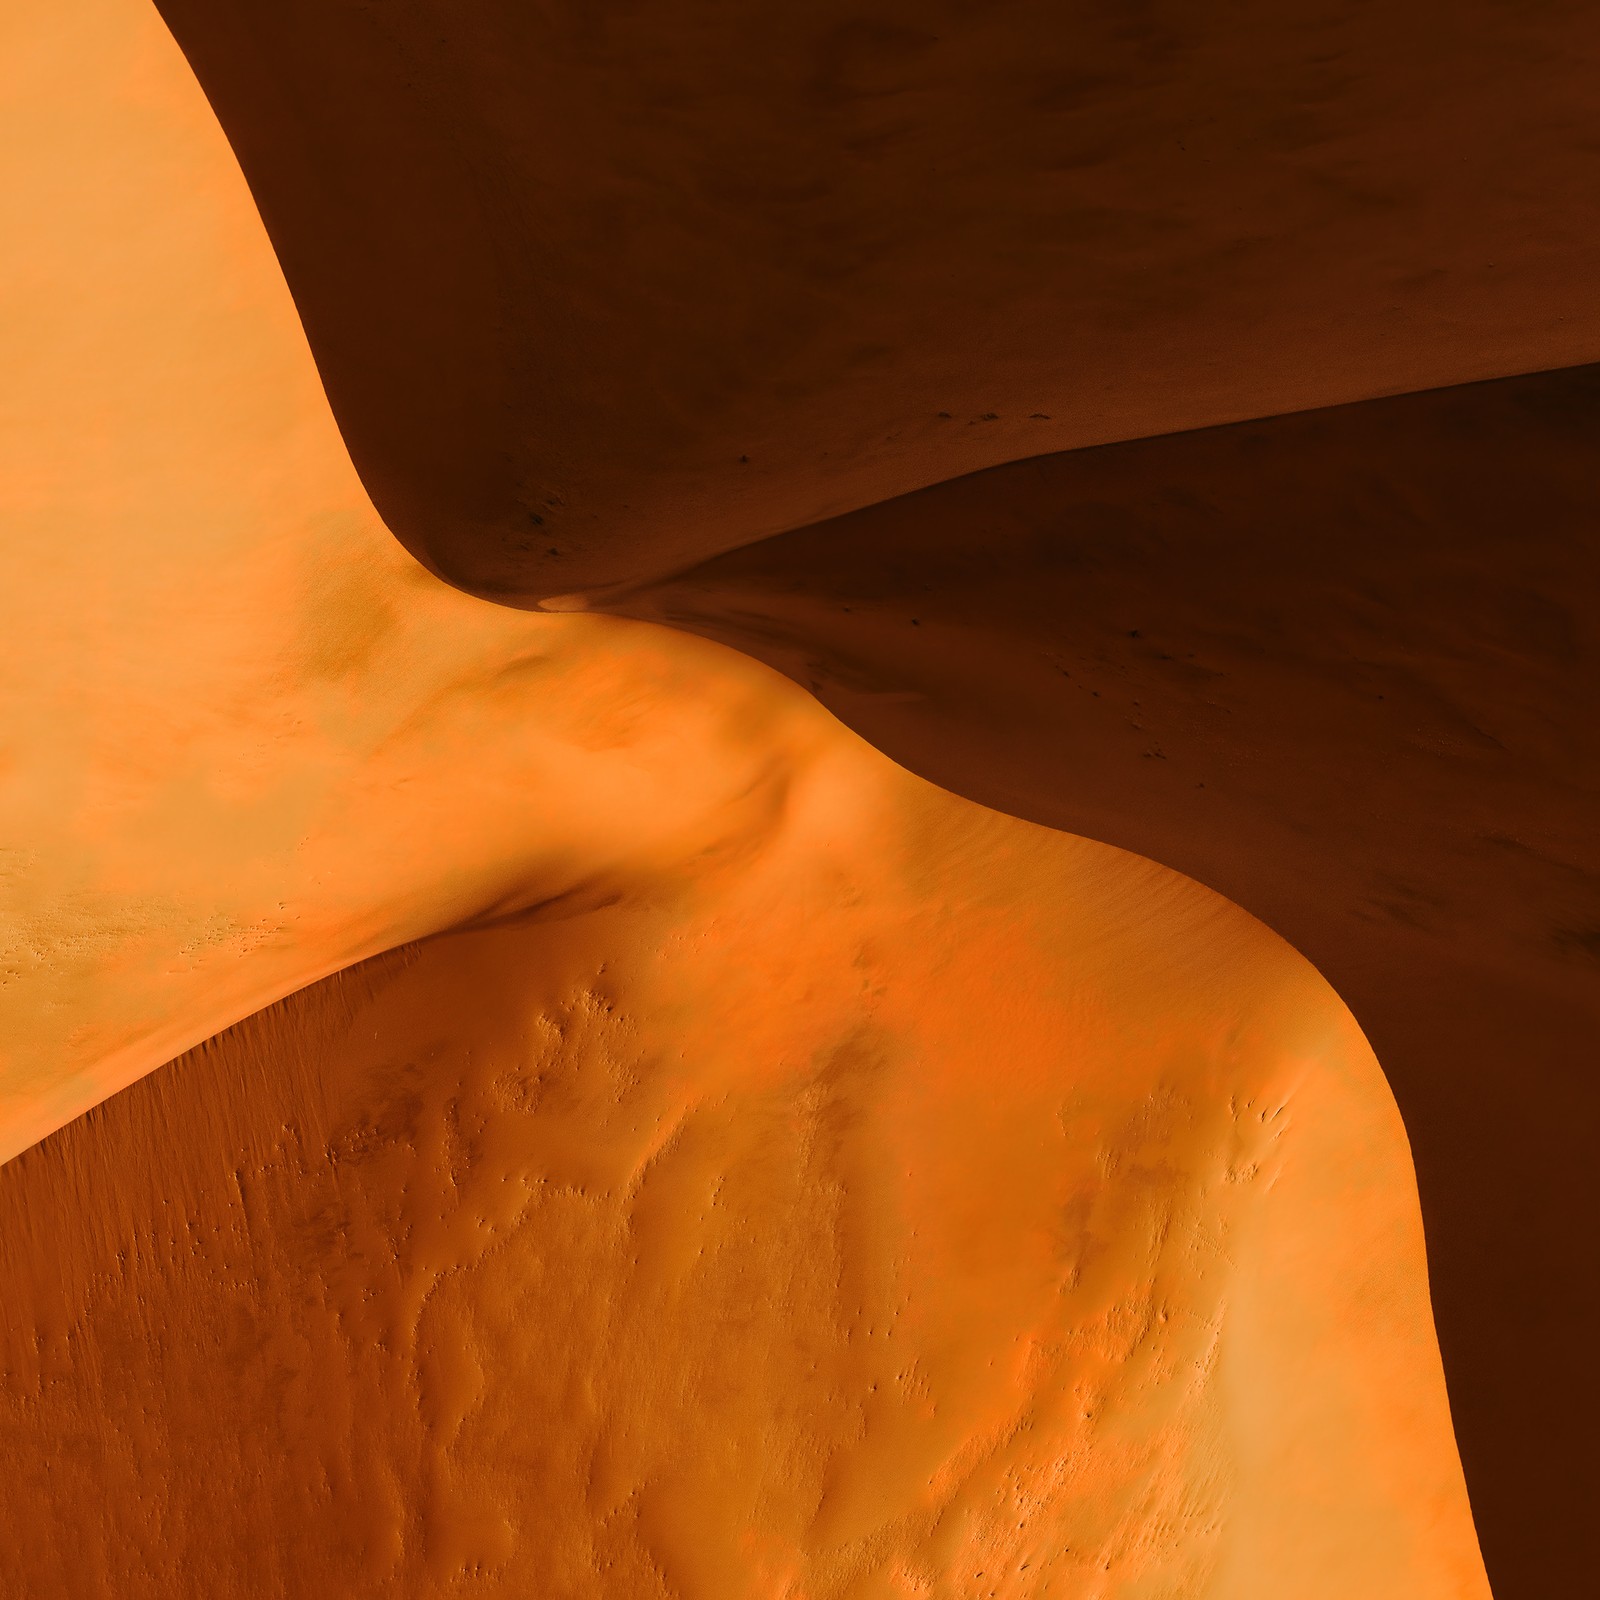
[902, 1199]
[598, 291]
[597, 296]
[1345, 668]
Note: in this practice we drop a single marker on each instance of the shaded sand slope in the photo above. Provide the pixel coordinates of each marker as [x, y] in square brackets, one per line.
[597, 290]
[907, 1200]
[1343, 667]
[247, 742]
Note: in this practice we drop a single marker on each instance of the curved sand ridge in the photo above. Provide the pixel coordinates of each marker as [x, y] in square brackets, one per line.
[909, 1200]
[1103, 1157]
[249, 741]
[804, 259]
[1343, 667]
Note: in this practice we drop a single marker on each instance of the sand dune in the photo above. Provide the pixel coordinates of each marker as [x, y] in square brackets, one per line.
[908, 1201]
[778, 1175]
[637, 284]
[247, 739]
[1343, 667]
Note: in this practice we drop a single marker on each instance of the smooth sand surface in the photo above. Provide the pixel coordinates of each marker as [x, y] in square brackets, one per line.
[600, 289]
[1343, 667]
[899, 1199]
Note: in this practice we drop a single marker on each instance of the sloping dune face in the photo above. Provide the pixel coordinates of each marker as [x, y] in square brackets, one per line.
[907, 1201]
[598, 292]
[247, 739]
[1345, 668]
[773, 1176]
[601, 289]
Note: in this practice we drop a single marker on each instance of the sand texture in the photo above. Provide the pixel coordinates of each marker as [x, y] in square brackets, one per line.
[906, 1201]
[1343, 667]
[518, 1102]
[636, 283]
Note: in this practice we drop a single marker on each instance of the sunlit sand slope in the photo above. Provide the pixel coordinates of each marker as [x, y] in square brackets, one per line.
[244, 738]
[1343, 667]
[787, 1175]
[907, 1200]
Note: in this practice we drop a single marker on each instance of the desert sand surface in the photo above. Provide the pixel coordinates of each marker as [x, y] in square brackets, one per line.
[598, 290]
[1343, 667]
[901, 1200]
[689, 1075]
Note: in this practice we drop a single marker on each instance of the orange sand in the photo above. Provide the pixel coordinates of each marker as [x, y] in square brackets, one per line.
[1343, 667]
[248, 740]
[899, 1200]
[834, 1188]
